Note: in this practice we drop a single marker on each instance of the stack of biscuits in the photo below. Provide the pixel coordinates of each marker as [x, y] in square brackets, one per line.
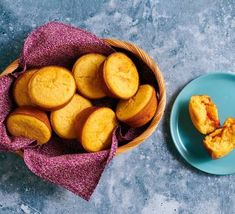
[52, 98]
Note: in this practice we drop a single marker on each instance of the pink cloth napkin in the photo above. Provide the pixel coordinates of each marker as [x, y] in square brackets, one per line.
[59, 44]
[62, 162]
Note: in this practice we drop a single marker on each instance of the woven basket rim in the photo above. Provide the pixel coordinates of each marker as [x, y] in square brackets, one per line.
[141, 54]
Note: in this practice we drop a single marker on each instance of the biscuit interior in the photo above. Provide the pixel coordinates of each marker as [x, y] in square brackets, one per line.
[204, 113]
[222, 141]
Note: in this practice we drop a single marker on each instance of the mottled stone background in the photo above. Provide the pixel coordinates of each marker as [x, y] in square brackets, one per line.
[187, 38]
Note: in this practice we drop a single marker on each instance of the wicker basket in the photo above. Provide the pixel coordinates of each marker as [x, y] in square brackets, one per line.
[139, 53]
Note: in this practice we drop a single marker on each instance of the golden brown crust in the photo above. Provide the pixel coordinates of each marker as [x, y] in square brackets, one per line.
[48, 69]
[107, 86]
[29, 122]
[138, 110]
[33, 112]
[68, 116]
[86, 75]
[15, 86]
[81, 120]
[53, 109]
[94, 128]
[145, 115]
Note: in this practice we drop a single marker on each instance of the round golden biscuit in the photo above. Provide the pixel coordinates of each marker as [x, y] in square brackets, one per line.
[140, 109]
[94, 128]
[51, 87]
[203, 113]
[120, 76]
[29, 122]
[20, 89]
[62, 120]
[87, 77]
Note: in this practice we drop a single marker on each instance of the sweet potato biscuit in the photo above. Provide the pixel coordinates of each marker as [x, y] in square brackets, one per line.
[51, 87]
[222, 141]
[94, 127]
[63, 120]
[120, 76]
[20, 88]
[87, 77]
[31, 123]
[203, 113]
[140, 109]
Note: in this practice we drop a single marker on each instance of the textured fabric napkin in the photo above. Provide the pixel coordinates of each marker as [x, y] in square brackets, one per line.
[62, 162]
[59, 44]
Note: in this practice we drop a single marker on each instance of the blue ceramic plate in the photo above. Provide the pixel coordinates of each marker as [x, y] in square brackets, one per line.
[188, 141]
